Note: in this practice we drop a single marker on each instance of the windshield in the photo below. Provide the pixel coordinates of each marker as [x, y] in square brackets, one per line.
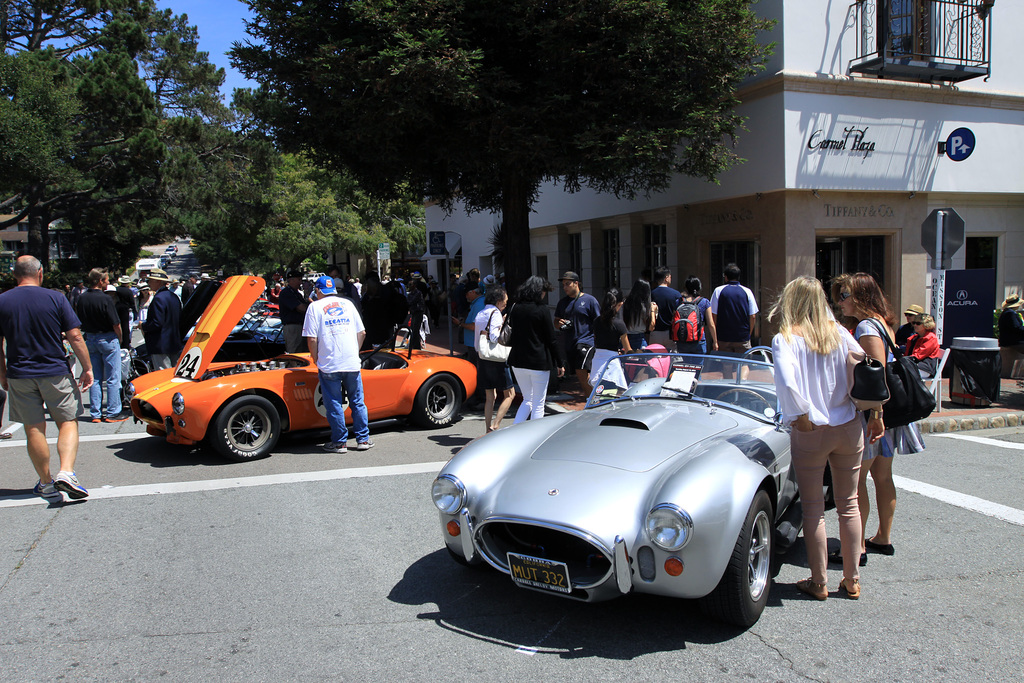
[735, 382]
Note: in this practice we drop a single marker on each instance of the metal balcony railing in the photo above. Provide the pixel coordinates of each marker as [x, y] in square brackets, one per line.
[923, 40]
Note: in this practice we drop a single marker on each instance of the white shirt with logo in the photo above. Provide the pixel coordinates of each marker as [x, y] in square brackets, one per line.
[334, 323]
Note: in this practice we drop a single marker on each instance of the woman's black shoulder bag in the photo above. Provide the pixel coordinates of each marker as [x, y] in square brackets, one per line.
[909, 399]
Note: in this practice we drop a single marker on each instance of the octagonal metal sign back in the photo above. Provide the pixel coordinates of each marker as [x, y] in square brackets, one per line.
[942, 234]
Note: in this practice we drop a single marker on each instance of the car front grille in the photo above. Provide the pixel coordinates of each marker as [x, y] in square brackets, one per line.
[588, 563]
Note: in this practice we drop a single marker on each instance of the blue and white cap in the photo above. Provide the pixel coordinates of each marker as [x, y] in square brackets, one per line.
[325, 284]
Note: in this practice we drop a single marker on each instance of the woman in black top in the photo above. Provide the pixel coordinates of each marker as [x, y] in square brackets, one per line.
[535, 348]
[639, 313]
[609, 333]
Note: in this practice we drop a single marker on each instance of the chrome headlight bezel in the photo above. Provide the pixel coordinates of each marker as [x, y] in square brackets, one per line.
[129, 391]
[178, 403]
[669, 526]
[448, 494]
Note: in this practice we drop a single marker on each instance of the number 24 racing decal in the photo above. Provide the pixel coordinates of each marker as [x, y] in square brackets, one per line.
[189, 363]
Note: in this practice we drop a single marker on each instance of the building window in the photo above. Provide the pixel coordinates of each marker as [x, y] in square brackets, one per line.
[655, 246]
[576, 253]
[837, 255]
[542, 266]
[909, 32]
[981, 252]
[612, 264]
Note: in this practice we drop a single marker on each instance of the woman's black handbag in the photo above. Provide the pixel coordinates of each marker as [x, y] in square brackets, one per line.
[909, 399]
[868, 389]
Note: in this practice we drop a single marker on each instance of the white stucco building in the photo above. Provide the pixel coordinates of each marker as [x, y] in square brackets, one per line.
[842, 143]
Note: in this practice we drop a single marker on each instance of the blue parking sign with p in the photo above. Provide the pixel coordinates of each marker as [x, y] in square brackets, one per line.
[436, 239]
[960, 144]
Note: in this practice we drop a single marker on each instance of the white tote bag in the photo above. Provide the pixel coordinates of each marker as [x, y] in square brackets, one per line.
[488, 350]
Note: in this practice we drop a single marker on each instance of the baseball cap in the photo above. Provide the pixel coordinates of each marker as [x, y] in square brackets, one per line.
[293, 273]
[569, 275]
[913, 309]
[325, 284]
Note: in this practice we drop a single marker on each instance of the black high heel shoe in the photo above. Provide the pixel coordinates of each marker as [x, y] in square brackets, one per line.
[836, 557]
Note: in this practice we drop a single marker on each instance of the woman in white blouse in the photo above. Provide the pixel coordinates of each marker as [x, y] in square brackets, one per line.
[810, 353]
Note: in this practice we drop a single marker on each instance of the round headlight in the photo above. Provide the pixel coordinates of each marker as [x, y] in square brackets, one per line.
[448, 493]
[178, 403]
[669, 527]
[129, 391]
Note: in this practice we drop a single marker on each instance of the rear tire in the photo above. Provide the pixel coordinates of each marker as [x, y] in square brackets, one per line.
[742, 593]
[437, 402]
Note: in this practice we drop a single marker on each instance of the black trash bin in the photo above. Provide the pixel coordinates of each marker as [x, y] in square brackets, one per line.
[976, 366]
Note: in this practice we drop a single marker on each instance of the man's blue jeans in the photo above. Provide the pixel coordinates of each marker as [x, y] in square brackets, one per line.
[335, 386]
[105, 353]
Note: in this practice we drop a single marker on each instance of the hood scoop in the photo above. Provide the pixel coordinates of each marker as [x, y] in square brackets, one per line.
[626, 422]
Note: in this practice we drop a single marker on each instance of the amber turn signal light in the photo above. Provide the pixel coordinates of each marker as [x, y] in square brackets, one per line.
[673, 566]
[453, 528]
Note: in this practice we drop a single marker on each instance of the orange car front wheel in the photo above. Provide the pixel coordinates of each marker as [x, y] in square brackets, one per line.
[247, 428]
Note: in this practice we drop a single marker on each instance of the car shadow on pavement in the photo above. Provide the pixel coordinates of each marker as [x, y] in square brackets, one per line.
[156, 452]
[483, 604]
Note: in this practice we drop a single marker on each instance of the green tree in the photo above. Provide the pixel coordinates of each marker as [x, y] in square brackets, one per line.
[313, 212]
[481, 102]
[111, 119]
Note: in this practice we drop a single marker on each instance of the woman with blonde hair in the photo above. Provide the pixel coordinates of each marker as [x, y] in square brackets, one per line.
[810, 356]
[860, 297]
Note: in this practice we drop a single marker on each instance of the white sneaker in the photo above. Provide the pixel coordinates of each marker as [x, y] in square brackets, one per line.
[68, 483]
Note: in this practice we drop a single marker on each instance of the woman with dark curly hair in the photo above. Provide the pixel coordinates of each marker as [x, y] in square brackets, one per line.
[860, 298]
[535, 348]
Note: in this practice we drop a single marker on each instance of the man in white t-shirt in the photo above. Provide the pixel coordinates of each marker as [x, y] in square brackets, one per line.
[334, 332]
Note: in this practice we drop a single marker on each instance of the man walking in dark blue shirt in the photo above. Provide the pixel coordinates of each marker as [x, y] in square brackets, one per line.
[733, 309]
[35, 371]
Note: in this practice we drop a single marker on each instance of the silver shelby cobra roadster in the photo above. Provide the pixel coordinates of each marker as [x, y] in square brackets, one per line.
[674, 480]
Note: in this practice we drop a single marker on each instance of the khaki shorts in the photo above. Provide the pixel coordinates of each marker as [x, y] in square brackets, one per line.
[59, 393]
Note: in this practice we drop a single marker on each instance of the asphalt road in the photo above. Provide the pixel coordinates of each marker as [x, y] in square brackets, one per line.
[308, 565]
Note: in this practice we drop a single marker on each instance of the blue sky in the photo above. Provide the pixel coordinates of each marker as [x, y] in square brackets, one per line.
[220, 24]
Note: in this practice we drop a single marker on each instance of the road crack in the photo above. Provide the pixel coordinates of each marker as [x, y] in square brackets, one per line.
[28, 552]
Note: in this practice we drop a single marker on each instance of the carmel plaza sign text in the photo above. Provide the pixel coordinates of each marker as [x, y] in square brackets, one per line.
[852, 141]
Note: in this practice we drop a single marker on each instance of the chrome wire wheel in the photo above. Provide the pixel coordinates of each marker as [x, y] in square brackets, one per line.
[759, 555]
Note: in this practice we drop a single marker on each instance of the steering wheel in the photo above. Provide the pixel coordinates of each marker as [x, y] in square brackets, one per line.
[743, 391]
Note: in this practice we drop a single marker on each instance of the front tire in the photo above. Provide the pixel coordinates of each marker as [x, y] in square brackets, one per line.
[437, 402]
[742, 593]
[247, 428]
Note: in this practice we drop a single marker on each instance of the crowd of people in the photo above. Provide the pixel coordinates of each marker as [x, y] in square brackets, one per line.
[334, 318]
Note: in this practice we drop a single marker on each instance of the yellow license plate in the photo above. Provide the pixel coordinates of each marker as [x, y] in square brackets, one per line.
[539, 573]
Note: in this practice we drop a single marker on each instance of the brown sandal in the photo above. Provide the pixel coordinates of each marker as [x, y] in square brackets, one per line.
[852, 588]
[818, 591]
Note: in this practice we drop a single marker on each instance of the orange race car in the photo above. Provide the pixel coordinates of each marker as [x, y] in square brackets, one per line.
[241, 409]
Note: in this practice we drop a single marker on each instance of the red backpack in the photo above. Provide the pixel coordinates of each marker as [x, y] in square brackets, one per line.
[687, 325]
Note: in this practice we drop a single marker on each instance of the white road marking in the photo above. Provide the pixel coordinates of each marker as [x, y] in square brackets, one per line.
[92, 437]
[983, 440]
[238, 482]
[962, 500]
[13, 427]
